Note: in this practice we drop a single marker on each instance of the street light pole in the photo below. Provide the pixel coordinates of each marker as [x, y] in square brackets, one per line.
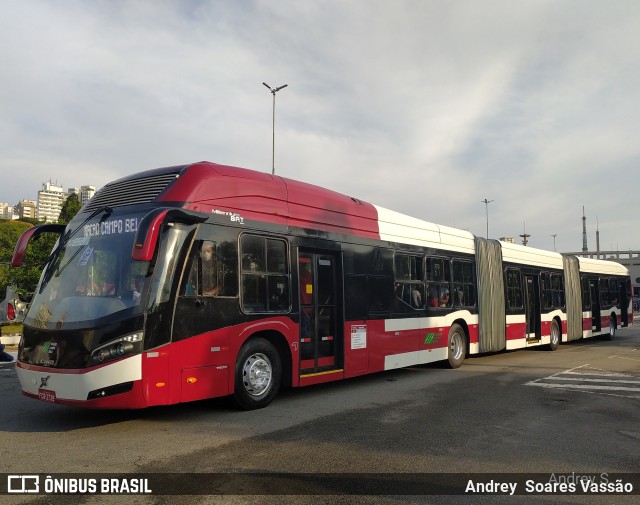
[554, 241]
[486, 206]
[273, 128]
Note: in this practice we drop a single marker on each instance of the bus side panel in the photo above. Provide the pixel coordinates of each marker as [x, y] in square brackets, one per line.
[586, 324]
[203, 366]
[155, 376]
[516, 329]
[199, 365]
[392, 337]
[356, 350]
[474, 336]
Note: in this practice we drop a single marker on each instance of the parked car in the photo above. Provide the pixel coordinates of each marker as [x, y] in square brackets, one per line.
[12, 307]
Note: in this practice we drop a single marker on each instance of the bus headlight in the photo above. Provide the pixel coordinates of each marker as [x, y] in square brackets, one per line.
[101, 355]
[121, 349]
[117, 348]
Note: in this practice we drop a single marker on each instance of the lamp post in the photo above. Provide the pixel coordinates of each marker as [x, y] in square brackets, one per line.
[486, 205]
[273, 130]
[554, 240]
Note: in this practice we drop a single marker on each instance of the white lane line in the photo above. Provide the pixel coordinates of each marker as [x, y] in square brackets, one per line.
[598, 374]
[619, 381]
[580, 386]
[593, 381]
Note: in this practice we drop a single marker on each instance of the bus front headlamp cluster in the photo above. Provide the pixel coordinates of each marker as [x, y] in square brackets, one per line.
[118, 348]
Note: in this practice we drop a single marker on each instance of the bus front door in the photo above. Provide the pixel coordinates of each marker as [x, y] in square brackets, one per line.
[533, 307]
[596, 323]
[623, 293]
[320, 341]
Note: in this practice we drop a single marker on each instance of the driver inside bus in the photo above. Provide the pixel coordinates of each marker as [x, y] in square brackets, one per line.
[138, 284]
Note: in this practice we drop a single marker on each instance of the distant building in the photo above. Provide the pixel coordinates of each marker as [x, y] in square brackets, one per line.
[6, 210]
[86, 193]
[47, 207]
[630, 259]
[25, 208]
[50, 201]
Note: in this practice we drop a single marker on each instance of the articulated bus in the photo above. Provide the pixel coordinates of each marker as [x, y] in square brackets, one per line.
[204, 280]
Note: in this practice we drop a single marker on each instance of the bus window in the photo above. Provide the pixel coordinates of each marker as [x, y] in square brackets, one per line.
[438, 275]
[213, 269]
[514, 288]
[586, 293]
[613, 291]
[605, 297]
[265, 274]
[409, 284]
[557, 290]
[464, 292]
[545, 289]
[380, 294]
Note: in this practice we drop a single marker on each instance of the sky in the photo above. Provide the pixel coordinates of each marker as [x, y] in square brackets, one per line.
[425, 107]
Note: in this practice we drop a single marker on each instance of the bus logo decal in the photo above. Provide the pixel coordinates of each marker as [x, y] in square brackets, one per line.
[234, 217]
[44, 381]
[430, 338]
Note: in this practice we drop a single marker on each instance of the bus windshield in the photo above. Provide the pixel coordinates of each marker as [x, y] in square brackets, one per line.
[92, 276]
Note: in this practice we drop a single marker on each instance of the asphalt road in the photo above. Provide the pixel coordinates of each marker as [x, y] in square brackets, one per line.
[573, 411]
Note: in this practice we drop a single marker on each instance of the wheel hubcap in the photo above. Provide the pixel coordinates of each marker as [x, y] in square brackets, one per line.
[456, 345]
[257, 374]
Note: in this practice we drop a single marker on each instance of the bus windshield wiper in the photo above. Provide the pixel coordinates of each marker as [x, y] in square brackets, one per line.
[67, 236]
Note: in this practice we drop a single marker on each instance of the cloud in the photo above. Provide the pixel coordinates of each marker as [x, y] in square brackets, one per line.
[424, 107]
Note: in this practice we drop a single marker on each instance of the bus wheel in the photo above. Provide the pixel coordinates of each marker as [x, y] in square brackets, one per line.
[612, 328]
[554, 338]
[258, 374]
[457, 346]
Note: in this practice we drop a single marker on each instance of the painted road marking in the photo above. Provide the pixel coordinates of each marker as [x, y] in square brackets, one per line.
[592, 380]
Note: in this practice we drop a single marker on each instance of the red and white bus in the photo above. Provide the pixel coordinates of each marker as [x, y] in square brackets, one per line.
[203, 280]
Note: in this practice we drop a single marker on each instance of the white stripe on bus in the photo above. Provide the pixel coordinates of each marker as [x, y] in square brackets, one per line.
[77, 386]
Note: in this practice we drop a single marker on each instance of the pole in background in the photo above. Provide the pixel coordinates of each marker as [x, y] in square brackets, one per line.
[486, 205]
[273, 128]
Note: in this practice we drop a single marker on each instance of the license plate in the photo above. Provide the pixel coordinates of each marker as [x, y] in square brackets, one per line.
[47, 396]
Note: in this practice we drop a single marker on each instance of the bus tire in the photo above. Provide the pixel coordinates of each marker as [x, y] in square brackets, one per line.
[258, 374]
[613, 326]
[554, 336]
[457, 346]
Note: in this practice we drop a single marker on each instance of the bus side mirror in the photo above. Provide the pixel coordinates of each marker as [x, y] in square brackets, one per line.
[35, 231]
[144, 244]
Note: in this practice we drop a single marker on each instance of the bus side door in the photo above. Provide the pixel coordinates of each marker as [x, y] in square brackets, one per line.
[320, 333]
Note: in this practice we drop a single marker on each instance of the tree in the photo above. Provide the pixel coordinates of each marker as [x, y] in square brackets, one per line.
[10, 231]
[26, 277]
[70, 208]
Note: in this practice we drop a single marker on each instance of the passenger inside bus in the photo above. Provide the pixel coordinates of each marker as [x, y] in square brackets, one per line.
[432, 299]
[416, 297]
[444, 297]
[209, 269]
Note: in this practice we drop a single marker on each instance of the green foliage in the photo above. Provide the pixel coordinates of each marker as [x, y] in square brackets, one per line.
[31, 220]
[10, 329]
[70, 208]
[25, 277]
